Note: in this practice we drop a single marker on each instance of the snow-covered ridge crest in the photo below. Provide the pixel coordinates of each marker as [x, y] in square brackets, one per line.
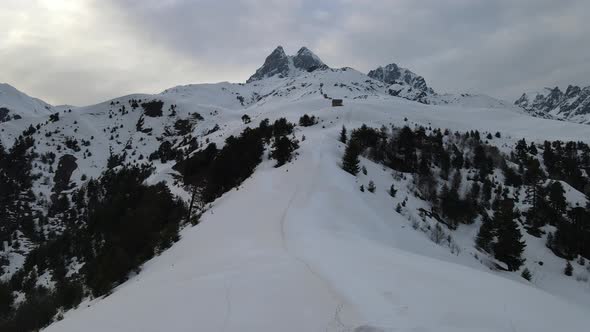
[15, 104]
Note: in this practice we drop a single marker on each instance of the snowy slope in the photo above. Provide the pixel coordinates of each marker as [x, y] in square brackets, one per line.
[299, 248]
[15, 105]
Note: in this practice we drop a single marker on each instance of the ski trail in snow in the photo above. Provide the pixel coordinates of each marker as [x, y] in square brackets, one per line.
[302, 192]
[228, 306]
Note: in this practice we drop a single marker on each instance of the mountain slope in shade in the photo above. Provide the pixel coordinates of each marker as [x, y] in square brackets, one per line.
[573, 104]
[15, 105]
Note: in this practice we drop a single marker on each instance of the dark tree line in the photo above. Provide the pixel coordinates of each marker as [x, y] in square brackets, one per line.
[16, 194]
[210, 172]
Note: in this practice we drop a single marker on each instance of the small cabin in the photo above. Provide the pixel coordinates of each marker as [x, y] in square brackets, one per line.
[337, 102]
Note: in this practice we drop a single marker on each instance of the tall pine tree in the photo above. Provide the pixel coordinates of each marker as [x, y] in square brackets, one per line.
[509, 246]
[350, 160]
[343, 135]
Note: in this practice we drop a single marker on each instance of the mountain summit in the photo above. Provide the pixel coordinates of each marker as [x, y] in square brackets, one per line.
[278, 63]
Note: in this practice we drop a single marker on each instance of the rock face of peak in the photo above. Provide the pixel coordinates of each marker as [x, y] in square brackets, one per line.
[282, 65]
[393, 74]
[403, 82]
[306, 60]
[572, 105]
[277, 63]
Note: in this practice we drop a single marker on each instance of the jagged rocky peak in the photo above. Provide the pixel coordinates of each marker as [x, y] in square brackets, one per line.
[278, 63]
[394, 74]
[307, 60]
[572, 105]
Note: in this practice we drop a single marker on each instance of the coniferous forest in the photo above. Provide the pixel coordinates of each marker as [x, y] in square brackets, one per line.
[465, 178]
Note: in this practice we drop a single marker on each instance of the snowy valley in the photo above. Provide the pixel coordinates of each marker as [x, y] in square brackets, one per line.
[254, 222]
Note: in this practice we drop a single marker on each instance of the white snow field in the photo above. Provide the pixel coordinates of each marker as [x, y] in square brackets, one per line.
[300, 248]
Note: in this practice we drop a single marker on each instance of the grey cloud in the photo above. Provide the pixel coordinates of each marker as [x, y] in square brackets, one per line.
[94, 49]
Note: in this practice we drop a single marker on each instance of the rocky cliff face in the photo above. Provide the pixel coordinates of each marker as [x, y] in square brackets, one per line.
[393, 74]
[403, 83]
[278, 63]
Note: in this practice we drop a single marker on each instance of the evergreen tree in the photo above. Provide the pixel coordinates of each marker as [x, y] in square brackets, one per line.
[526, 274]
[509, 246]
[350, 160]
[533, 172]
[306, 120]
[458, 159]
[6, 300]
[485, 235]
[549, 158]
[445, 164]
[371, 186]
[282, 151]
[343, 135]
[392, 191]
[556, 196]
[521, 150]
[569, 269]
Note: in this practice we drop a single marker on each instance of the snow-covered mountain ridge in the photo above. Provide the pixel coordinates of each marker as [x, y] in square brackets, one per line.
[573, 104]
[16, 105]
[300, 247]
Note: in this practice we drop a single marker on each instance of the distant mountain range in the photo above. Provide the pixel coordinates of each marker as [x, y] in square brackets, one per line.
[552, 103]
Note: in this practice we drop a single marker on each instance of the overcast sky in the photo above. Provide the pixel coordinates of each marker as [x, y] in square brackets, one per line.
[85, 51]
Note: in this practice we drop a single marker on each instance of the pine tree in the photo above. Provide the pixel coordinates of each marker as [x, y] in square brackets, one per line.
[392, 191]
[343, 135]
[350, 160]
[485, 235]
[569, 269]
[371, 186]
[526, 274]
[549, 242]
[509, 246]
[556, 196]
[282, 151]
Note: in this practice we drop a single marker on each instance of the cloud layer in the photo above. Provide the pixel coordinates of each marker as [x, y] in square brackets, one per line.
[85, 51]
